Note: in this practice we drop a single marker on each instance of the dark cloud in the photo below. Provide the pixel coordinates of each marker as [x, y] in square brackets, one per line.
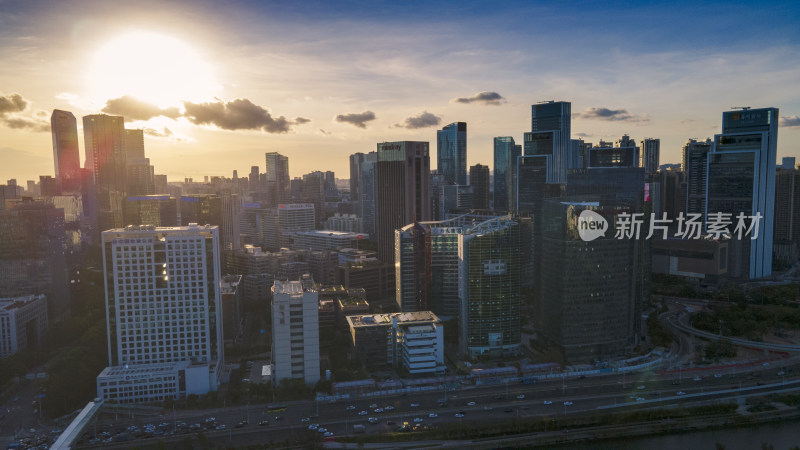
[423, 120]
[326, 133]
[486, 97]
[13, 104]
[135, 109]
[239, 114]
[790, 121]
[609, 115]
[301, 120]
[358, 119]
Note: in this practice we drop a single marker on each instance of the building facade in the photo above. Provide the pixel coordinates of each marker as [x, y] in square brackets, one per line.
[295, 332]
[451, 154]
[23, 323]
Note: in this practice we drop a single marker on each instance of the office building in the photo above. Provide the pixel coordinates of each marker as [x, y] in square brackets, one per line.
[411, 341]
[356, 160]
[479, 180]
[205, 209]
[134, 144]
[66, 156]
[295, 331]
[613, 157]
[277, 178]
[231, 220]
[506, 153]
[651, 149]
[361, 269]
[403, 190]
[318, 240]
[451, 153]
[369, 193]
[231, 293]
[345, 222]
[152, 383]
[141, 176]
[156, 210]
[695, 166]
[104, 138]
[550, 135]
[33, 254]
[489, 288]
[590, 310]
[163, 300]
[741, 180]
[23, 323]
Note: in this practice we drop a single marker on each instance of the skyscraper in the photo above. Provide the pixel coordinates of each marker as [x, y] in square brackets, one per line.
[550, 135]
[451, 146]
[403, 190]
[368, 191]
[104, 138]
[651, 149]
[66, 156]
[741, 179]
[479, 180]
[277, 177]
[505, 163]
[489, 288]
[695, 166]
[356, 159]
[134, 144]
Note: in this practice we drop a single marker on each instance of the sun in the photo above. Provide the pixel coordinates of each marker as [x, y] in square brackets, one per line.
[152, 67]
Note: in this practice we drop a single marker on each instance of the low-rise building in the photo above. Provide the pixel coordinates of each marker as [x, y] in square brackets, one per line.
[326, 240]
[147, 383]
[413, 340]
[23, 323]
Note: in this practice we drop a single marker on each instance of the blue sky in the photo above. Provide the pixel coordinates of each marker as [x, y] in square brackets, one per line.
[668, 69]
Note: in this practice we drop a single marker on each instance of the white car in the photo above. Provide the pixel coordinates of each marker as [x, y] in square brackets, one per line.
[471, 404]
[350, 408]
[641, 388]
[414, 405]
[362, 413]
[322, 430]
[373, 406]
[548, 402]
[389, 408]
[313, 426]
[305, 420]
[681, 393]
[373, 420]
[567, 403]
[697, 379]
[418, 419]
[433, 415]
[487, 408]
[378, 410]
[459, 415]
[520, 396]
[328, 434]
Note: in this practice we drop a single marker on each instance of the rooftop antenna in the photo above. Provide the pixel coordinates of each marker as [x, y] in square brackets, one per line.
[743, 108]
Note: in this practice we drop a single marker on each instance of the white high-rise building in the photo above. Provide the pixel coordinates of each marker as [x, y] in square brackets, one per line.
[295, 331]
[163, 301]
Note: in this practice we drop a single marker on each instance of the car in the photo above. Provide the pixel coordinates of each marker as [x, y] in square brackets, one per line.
[567, 403]
[221, 427]
[418, 419]
[313, 426]
[698, 379]
[639, 399]
[548, 402]
[328, 434]
[378, 410]
[642, 387]
[238, 425]
[471, 404]
[459, 415]
[373, 420]
[520, 396]
[322, 430]
[765, 364]
[780, 374]
[681, 393]
[487, 408]
[362, 413]
[305, 419]
[350, 408]
[263, 423]
[208, 420]
[389, 408]
[245, 380]
[414, 405]
[433, 415]
[278, 418]
[508, 410]
[373, 406]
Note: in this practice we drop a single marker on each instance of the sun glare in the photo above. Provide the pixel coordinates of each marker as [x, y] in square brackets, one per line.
[154, 68]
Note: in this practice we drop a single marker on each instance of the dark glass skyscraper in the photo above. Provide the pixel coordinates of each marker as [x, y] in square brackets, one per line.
[505, 163]
[452, 153]
[479, 180]
[403, 190]
[66, 156]
[695, 161]
[550, 135]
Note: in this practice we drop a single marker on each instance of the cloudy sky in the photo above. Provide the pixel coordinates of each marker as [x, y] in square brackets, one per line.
[215, 85]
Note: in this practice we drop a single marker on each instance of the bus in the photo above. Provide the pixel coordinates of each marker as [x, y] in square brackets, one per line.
[277, 407]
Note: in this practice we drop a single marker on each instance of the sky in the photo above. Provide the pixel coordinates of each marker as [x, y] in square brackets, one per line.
[215, 85]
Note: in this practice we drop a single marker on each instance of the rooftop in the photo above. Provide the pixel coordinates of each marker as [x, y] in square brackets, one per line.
[407, 318]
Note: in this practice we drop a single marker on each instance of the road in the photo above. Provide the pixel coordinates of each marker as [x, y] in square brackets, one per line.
[501, 402]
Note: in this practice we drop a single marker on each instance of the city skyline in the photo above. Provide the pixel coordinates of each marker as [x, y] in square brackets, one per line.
[220, 87]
